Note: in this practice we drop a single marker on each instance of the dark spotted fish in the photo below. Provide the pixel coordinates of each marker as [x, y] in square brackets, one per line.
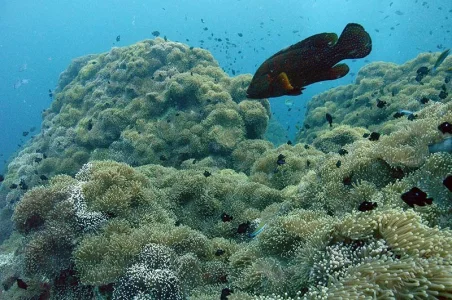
[311, 60]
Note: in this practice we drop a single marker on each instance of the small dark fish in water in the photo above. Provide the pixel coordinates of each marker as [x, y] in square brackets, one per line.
[342, 152]
[2, 178]
[381, 104]
[163, 158]
[306, 147]
[281, 160]
[443, 94]
[448, 182]
[226, 218]
[118, 38]
[225, 293]
[13, 186]
[23, 185]
[397, 115]
[329, 119]
[424, 100]
[89, 126]
[21, 284]
[374, 136]
[240, 34]
[25, 133]
[50, 93]
[412, 117]
[398, 12]
[366, 135]
[43, 177]
[219, 252]
[155, 33]
[445, 127]
[347, 180]
[421, 73]
[440, 59]
[289, 142]
[207, 173]
[338, 164]
[311, 60]
[367, 206]
[243, 228]
[416, 196]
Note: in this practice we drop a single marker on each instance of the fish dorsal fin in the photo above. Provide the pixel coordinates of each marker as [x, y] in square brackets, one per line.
[320, 40]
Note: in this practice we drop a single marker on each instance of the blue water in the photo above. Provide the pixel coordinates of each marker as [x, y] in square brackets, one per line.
[47, 34]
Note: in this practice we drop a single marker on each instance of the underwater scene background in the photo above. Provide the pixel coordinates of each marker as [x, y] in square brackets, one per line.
[133, 165]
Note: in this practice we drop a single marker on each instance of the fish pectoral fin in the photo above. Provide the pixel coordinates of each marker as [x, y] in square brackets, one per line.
[338, 71]
[283, 82]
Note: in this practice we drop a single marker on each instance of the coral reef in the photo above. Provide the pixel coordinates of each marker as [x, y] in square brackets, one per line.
[161, 187]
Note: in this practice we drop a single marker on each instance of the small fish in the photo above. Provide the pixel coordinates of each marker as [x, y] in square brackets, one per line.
[89, 126]
[445, 127]
[118, 38]
[43, 177]
[50, 93]
[25, 133]
[342, 152]
[281, 160]
[2, 178]
[381, 103]
[243, 228]
[23, 185]
[440, 59]
[416, 196]
[163, 158]
[403, 112]
[289, 142]
[288, 102]
[13, 186]
[226, 218]
[23, 67]
[399, 13]
[443, 94]
[207, 173]
[367, 206]
[424, 100]
[219, 252]
[347, 180]
[311, 60]
[258, 230]
[421, 73]
[226, 291]
[20, 82]
[329, 119]
[21, 284]
[155, 33]
[374, 136]
[443, 146]
[338, 164]
[448, 182]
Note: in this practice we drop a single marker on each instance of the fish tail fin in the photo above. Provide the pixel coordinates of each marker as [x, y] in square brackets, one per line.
[354, 42]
